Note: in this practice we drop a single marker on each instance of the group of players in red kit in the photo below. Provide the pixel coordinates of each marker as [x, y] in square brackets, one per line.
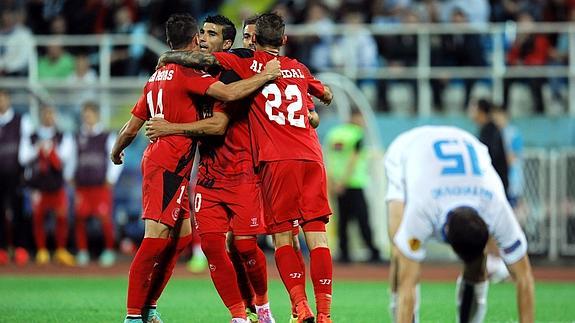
[248, 111]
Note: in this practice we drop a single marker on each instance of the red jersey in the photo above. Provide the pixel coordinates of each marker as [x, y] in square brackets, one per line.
[227, 160]
[171, 92]
[278, 117]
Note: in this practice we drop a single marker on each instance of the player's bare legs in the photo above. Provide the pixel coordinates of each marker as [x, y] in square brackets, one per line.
[321, 270]
[292, 274]
[471, 291]
[394, 217]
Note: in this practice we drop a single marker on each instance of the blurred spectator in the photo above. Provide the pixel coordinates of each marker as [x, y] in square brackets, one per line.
[46, 155]
[513, 141]
[58, 26]
[315, 50]
[528, 50]
[558, 56]
[489, 134]
[390, 11]
[121, 60]
[94, 176]
[476, 11]
[504, 10]
[400, 51]
[17, 47]
[56, 64]
[13, 128]
[357, 48]
[456, 50]
[83, 76]
[348, 175]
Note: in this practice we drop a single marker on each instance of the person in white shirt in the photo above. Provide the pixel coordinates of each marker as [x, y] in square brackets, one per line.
[441, 184]
[18, 44]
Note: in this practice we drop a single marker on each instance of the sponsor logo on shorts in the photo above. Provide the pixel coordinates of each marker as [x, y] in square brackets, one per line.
[414, 244]
[513, 247]
[212, 267]
[252, 262]
[295, 223]
[176, 213]
[254, 222]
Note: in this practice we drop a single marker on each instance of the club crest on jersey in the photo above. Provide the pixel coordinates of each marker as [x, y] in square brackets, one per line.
[414, 244]
[175, 213]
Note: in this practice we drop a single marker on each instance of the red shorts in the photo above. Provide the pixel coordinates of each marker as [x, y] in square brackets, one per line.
[293, 190]
[237, 208]
[93, 200]
[164, 194]
[56, 201]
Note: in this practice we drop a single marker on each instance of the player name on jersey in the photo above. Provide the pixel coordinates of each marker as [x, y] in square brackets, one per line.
[162, 75]
[286, 74]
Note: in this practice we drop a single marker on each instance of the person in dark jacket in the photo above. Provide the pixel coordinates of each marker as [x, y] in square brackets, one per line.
[490, 136]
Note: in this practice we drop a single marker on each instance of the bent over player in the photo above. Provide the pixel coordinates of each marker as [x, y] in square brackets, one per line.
[167, 163]
[441, 184]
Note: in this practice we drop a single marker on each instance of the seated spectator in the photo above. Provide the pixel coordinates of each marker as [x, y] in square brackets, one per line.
[56, 64]
[83, 76]
[16, 49]
[456, 50]
[399, 51]
[528, 49]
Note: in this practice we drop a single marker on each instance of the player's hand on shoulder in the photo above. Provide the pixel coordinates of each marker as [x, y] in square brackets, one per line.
[117, 158]
[273, 69]
[156, 127]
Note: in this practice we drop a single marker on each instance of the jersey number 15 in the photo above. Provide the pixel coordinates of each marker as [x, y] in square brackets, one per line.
[457, 164]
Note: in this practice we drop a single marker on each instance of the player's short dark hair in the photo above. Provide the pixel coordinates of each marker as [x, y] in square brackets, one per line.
[484, 106]
[92, 106]
[228, 30]
[180, 30]
[251, 20]
[270, 29]
[466, 233]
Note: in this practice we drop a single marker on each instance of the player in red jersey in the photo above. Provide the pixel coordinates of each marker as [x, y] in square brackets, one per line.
[171, 92]
[288, 156]
[228, 195]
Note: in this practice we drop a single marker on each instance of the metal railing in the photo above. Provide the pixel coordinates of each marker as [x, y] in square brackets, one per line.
[496, 71]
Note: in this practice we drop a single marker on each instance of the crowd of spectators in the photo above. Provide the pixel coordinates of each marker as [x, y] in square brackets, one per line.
[322, 51]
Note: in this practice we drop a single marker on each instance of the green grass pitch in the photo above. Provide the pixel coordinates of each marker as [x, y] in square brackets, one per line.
[57, 299]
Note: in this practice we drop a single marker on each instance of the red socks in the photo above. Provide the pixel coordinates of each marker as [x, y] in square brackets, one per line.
[164, 271]
[321, 276]
[80, 229]
[254, 262]
[82, 240]
[223, 273]
[38, 224]
[248, 294]
[291, 273]
[149, 255]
